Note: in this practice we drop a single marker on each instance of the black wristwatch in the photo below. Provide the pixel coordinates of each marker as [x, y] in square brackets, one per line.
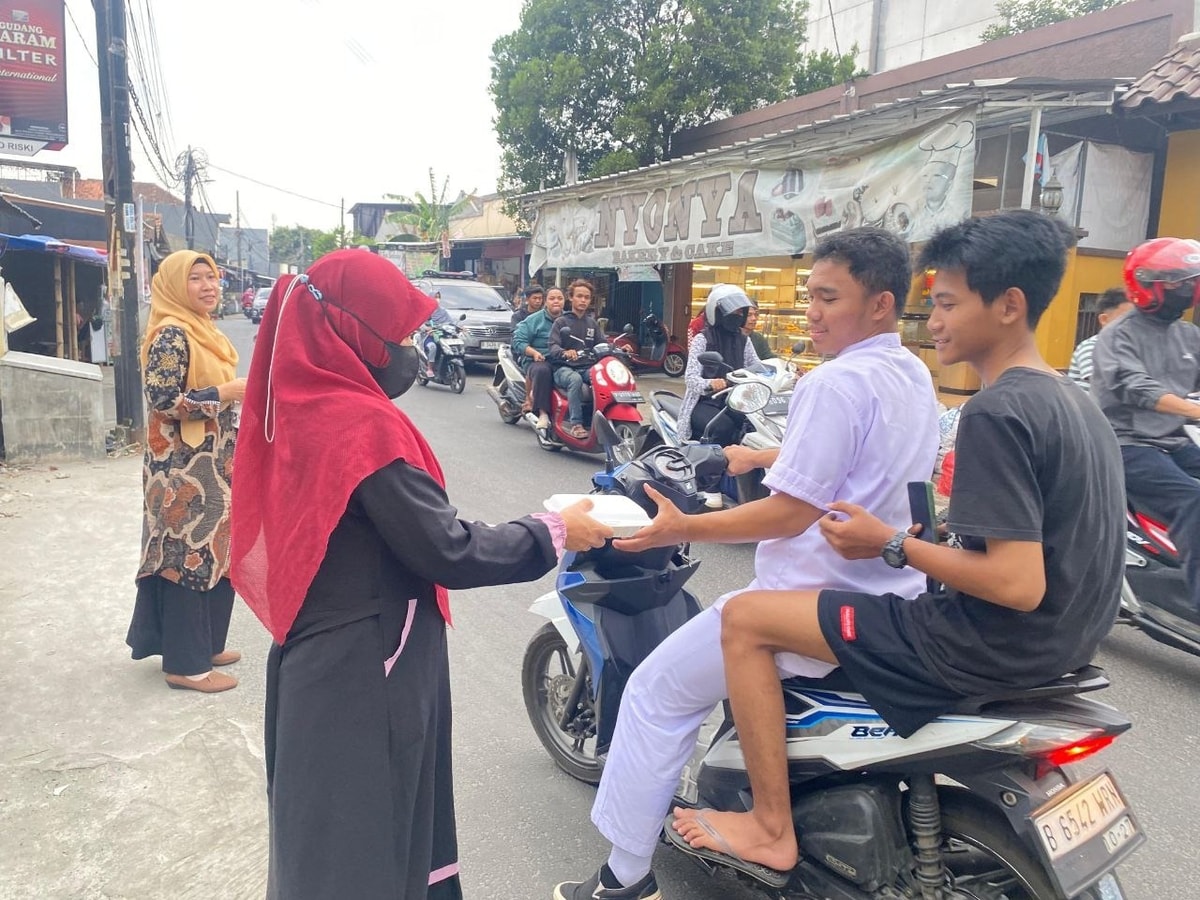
[893, 551]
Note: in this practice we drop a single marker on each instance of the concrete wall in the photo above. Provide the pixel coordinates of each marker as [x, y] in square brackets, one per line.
[894, 33]
[50, 409]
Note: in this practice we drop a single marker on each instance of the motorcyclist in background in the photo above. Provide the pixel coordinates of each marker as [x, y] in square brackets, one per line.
[574, 331]
[725, 314]
[1144, 366]
[429, 342]
[530, 344]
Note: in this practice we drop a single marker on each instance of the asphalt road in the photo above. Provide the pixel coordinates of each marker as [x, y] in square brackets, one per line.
[523, 824]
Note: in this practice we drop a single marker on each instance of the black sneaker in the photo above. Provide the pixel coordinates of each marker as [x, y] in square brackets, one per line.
[604, 886]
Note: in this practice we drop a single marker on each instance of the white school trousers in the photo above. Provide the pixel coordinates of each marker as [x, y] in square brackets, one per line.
[665, 703]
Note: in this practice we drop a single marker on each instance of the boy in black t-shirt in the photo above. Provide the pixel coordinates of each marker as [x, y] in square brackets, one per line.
[1037, 502]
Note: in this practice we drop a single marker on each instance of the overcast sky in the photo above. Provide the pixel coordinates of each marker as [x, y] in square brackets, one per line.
[331, 99]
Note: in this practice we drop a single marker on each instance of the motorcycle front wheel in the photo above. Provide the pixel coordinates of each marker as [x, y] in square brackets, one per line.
[548, 676]
[986, 859]
[674, 364]
[458, 377]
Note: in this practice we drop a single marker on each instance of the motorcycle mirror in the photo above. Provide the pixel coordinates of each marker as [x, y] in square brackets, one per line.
[607, 437]
[463, 316]
[628, 328]
[799, 348]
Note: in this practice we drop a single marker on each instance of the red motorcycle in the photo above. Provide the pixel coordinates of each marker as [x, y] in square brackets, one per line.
[650, 347]
[613, 392]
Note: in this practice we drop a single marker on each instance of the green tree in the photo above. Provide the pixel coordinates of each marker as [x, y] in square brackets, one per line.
[825, 69]
[1025, 15]
[614, 81]
[296, 245]
[430, 216]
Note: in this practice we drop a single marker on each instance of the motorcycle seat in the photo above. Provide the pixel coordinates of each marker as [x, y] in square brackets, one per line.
[668, 401]
[1081, 681]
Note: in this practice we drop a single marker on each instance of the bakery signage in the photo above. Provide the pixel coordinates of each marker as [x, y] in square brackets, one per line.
[912, 185]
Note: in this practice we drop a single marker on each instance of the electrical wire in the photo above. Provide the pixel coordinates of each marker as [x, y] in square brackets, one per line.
[275, 187]
[87, 49]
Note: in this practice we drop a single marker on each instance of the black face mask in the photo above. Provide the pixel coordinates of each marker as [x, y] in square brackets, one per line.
[401, 371]
[1176, 302]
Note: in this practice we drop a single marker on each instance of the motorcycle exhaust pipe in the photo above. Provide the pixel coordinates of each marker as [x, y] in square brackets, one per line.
[494, 394]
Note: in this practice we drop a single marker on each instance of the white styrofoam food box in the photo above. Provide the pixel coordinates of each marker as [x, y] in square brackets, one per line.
[620, 513]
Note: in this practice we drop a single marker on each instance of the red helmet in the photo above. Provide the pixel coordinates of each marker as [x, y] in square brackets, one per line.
[1150, 266]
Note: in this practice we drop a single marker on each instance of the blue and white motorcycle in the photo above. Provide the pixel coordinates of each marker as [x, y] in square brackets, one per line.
[977, 805]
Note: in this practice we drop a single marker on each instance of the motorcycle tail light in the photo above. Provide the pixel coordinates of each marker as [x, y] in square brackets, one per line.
[617, 373]
[1054, 745]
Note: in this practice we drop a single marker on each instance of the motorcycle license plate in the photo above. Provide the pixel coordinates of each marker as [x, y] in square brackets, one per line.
[1086, 832]
[491, 345]
[628, 397]
[452, 345]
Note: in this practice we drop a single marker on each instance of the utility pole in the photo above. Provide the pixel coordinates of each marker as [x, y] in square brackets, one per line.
[189, 175]
[241, 272]
[118, 196]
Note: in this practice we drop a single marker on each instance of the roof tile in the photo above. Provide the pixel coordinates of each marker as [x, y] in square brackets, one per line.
[1174, 77]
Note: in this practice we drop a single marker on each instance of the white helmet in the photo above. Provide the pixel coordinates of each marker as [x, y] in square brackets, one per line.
[724, 299]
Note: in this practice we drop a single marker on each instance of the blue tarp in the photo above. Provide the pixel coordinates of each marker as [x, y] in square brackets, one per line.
[45, 244]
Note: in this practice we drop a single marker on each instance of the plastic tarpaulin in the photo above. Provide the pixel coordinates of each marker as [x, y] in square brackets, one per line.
[44, 244]
[1112, 198]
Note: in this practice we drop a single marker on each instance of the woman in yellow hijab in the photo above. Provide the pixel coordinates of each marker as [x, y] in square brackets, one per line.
[189, 370]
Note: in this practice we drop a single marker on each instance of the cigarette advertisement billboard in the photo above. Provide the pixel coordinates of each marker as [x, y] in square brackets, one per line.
[33, 76]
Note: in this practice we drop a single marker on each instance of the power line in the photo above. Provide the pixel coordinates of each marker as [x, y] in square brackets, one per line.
[86, 48]
[275, 187]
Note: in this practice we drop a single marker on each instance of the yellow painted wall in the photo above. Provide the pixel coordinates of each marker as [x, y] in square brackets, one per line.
[1180, 215]
[1085, 275]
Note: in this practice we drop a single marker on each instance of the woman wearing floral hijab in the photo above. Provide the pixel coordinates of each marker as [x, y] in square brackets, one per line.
[184, 597]
[344, 543]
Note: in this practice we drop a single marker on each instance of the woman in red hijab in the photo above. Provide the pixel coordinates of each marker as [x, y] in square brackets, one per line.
[344, 543]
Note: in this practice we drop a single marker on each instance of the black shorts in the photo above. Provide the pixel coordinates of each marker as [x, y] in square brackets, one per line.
[874, 650]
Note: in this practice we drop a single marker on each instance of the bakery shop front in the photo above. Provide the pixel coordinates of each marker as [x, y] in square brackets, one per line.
[751, 215]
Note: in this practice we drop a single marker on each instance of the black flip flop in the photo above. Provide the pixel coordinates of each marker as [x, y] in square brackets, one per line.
[770, 877]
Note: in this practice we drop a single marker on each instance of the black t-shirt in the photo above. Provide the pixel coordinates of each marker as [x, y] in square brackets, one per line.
[1035, 460]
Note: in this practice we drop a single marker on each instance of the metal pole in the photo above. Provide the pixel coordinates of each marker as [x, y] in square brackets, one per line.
[140, 250]
[118, 172]
[1035, 130]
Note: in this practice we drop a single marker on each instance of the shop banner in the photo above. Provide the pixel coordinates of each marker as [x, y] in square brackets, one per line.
[33, 76]
[912, 185]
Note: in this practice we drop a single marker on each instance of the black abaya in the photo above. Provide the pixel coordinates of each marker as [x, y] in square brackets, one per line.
[358, 696]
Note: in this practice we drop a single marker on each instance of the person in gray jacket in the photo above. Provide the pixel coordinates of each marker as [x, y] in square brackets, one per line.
[1144, 367]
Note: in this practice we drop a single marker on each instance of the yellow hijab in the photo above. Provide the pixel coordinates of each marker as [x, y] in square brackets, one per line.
[212, 360]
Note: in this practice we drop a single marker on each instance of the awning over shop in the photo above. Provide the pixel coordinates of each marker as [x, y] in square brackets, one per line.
[43, 244]
[906, 166]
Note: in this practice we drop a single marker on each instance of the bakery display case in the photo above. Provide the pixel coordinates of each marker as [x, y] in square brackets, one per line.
[777, 285]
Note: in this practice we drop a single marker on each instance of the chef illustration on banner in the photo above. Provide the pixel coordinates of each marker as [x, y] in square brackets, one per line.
[940, 176]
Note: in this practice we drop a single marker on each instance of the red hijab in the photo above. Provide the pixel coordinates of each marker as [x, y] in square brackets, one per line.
[315, 423]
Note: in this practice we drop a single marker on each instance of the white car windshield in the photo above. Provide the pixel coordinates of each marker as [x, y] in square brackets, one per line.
[468, 295]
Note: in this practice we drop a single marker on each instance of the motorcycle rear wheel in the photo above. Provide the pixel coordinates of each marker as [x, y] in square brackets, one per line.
[987, 859]
[458, 378]
[509, 414]
[627, 442]
[547, 676]
[674, 364]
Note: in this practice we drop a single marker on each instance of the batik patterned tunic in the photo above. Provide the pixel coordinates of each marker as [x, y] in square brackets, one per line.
[185, 528]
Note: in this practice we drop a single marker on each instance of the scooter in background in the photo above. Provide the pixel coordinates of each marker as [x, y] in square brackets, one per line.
[447, 364]
[760, 398]
[613, 392]
[651, 347]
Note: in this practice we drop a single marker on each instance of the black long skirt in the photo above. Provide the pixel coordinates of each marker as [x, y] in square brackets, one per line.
[186, 628]
[359, 782]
